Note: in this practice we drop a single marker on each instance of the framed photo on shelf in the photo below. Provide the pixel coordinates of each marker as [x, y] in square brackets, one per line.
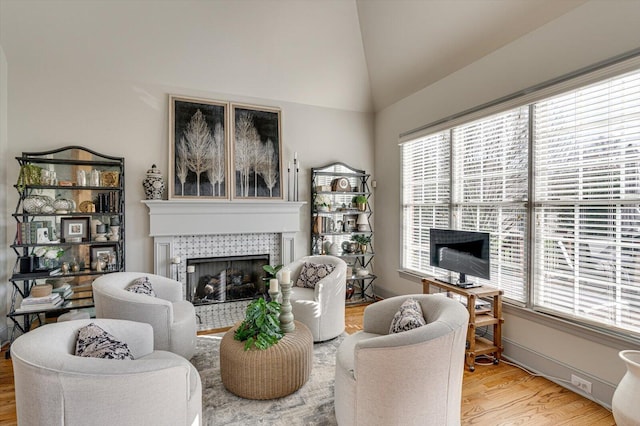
[350, 224]
[74, 229]
[257, 152]
[42, 235]
[198, 148]
[107, 253]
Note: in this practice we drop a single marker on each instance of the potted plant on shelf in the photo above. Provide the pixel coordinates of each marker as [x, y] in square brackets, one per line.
[360, 202]
[362, 241]
[322, 202]
[261, 325]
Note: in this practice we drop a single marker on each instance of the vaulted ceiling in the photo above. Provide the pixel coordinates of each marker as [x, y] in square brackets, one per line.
[360, 55]
[410, 44]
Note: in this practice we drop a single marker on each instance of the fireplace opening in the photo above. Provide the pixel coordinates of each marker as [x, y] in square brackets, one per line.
[226, 278]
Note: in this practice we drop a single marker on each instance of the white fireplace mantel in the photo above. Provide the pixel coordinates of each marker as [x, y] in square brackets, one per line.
[197, 217]
[172, 218]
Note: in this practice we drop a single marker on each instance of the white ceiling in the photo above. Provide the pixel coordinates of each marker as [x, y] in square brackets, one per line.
[360, 55]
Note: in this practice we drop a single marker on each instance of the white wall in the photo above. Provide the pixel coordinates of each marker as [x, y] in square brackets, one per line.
[4, 159]
[130, 119]
[593, 32]
[94, 77]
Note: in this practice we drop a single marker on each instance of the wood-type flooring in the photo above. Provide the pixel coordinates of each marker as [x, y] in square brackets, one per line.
[493, 395]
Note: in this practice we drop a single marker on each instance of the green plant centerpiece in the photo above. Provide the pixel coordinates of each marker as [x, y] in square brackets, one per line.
[261, 325]
[362, 241]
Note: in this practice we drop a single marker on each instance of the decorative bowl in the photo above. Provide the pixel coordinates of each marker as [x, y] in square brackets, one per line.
[37, 204]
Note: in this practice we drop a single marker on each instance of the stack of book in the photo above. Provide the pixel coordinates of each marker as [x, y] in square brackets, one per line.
[28, 232]
[33, 304]
[65, 291]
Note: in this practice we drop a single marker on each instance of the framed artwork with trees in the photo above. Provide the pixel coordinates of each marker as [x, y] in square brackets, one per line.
[257, 152]
[198, 148]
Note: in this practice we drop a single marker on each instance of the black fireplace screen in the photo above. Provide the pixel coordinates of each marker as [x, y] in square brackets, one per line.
[228, 278]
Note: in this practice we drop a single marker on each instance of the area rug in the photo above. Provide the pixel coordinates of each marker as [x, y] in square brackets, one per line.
[312, 404]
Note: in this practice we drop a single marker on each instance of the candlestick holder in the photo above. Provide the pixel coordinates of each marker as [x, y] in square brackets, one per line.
[274, 295]
[286, 317]
[175, 262]
[296, 169]
[289, 197]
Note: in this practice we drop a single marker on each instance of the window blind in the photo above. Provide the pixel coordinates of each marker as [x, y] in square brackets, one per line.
[490, 175]
[426, 194]
[587, 203]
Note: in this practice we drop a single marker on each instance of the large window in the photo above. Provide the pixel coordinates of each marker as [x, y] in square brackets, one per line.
[566, 167]
[587, 172]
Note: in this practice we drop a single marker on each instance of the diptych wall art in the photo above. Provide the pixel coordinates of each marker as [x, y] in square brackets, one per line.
[220, 150]
[198, 148]
[257, 152]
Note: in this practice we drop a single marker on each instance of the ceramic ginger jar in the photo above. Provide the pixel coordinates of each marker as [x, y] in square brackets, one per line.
[153, 184]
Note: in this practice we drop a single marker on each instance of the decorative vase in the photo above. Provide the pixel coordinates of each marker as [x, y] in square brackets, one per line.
[95, 177]
[626, 410]
[115, 233]
[334, 249]
[153, 184]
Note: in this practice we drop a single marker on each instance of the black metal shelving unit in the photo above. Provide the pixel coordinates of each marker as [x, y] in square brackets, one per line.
[337, 224]
[66, 162]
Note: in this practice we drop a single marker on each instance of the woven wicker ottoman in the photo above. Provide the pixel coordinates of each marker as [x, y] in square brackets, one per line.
[267, 374]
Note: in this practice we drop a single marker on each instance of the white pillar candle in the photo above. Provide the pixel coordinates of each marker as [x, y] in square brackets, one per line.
[273, 285]
[176, 260]
[286, 276]
[191, 269]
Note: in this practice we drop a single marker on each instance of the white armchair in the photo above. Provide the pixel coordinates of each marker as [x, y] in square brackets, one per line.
[408, 378]
[55, 387]
[172, 318]
[321, 309]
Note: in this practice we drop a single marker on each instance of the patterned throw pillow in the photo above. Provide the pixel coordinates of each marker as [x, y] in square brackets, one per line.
[94, 342]
[141, 285]
[408, 317]
[312, 273]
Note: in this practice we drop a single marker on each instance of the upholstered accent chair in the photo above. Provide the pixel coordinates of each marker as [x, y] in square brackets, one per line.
[172, 318]
[53, 386]
[408, 378]
[320, 308]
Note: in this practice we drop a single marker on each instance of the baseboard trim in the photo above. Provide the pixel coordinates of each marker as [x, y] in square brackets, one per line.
[552, 369]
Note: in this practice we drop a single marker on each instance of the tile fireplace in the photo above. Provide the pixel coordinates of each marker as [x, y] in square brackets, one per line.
[201, 229]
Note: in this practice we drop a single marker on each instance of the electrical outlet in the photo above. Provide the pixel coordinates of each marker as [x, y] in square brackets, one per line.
[581, 383]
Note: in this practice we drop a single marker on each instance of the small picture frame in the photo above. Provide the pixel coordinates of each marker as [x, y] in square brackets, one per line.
[350, 223]
[42, 235]
[74, 229]
[107, 253]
